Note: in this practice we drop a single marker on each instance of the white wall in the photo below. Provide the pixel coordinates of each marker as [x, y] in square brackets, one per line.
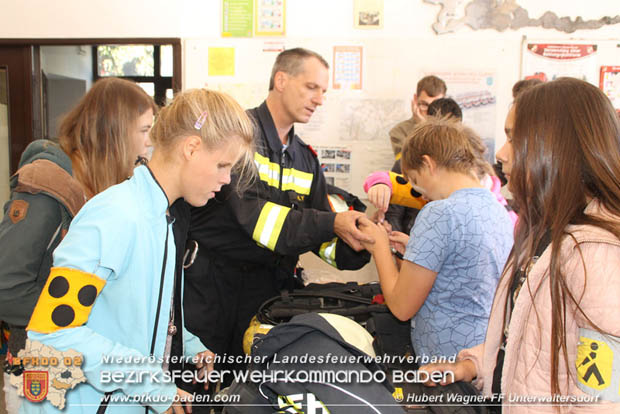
[324, 21]
[201, 18]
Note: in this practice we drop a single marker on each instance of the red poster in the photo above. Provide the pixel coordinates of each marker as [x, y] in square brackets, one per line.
[561, 51]
[610, 84]
[548, 61]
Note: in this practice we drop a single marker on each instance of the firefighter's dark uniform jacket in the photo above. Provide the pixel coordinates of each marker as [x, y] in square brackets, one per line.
[249, 243]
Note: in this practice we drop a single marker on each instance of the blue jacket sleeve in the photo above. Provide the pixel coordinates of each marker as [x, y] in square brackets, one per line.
[100, 243]
[192, 345]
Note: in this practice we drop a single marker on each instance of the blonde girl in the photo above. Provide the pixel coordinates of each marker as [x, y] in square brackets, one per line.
[110, 292]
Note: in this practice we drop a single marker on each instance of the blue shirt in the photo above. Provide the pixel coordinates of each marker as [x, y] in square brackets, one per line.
[466, 239]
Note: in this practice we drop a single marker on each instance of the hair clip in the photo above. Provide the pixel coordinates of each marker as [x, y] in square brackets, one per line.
[201, 120]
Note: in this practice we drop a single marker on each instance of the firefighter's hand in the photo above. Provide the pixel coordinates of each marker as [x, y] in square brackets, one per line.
[181, 404]
[345, 227]
[375, 231]
[204, 366]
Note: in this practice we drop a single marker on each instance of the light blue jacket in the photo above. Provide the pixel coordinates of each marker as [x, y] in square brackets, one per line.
[120, 236]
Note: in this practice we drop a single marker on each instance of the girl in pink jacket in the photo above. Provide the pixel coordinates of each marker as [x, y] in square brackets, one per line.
[553, 340]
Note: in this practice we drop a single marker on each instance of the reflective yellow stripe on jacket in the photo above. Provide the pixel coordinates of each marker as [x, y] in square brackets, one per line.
[327, 252]
[268, 171]
[292, 179]
[269, 224]
[296, 180]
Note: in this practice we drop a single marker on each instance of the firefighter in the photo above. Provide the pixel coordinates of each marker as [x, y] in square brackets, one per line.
[249, 241]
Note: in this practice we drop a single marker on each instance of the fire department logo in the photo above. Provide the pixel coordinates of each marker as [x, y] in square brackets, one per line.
[36, 385]
[48, 373]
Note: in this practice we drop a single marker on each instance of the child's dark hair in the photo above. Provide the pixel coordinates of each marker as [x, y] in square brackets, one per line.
[449, 143]
[445, 107]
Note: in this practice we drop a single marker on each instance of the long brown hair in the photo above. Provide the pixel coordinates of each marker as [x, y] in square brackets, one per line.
[566, 142]
[96, 133]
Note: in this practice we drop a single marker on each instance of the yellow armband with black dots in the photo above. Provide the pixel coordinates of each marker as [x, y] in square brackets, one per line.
[403, 193]
[66, 300]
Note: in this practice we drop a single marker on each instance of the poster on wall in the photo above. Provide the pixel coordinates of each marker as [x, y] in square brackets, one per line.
[237, 18]
[368, 14]
[364, 125]
[548, 61]
[270, 17]
[347, 67]
[336, 164]
[475, 92]
[610, 84]
[221, 61]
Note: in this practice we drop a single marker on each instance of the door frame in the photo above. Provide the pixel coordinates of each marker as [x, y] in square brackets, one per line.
[18, 142]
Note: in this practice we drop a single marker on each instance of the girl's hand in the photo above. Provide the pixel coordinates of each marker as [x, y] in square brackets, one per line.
[379, 195]
[182, 404]
[375, 232]
[399, 241]
[204, 366]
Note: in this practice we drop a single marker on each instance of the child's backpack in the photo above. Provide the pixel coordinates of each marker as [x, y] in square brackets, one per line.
[44, 200]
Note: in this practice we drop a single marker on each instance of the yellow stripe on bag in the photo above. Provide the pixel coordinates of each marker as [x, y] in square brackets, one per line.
[327, 252]
[269, 225]
[66, 300]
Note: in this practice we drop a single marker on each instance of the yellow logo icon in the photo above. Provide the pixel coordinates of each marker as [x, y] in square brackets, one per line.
[398, 394]
[594, 363]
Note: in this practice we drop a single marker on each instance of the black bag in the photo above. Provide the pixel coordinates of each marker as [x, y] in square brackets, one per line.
[346, 299]
[362, 303]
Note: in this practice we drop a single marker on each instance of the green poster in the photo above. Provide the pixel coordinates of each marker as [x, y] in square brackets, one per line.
[237, 18]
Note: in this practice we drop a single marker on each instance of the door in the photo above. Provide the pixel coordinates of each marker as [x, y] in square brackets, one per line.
[17, 62]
